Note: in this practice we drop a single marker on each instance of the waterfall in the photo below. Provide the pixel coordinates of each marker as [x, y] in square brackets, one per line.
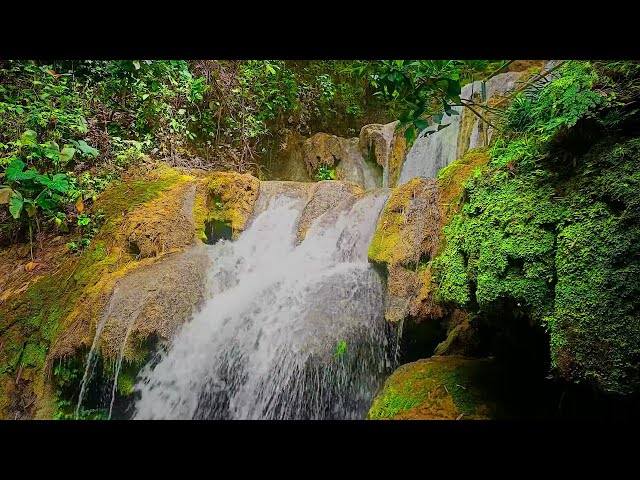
[289, 330]
[434, 151]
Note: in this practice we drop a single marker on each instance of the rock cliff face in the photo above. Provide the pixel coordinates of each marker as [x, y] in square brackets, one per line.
[371, 160]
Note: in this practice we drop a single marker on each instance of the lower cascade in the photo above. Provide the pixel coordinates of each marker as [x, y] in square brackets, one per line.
[288, 329]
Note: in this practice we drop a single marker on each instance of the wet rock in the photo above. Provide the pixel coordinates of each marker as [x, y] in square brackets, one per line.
[324, 196]
[406, 238]
[289, 163]
[439, 388]
[231, 198]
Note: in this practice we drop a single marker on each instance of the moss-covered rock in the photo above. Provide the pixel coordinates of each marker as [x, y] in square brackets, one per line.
[439, 388]
[462, 335]
[595, 323]
[231, 199]
[406, 238]
[289, 163]
[51, 310]
[555, 241]
[323, 149]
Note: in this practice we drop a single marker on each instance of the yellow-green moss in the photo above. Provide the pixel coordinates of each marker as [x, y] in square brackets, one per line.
[200, 213]
[390, 244]
[396, 156]
[440, 388]
[231, 199]
[31, 321]
[452, 178]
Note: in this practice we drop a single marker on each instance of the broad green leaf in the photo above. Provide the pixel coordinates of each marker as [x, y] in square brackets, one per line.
[421, 124]
[14, 170]
[15, 204]
[59, 182]
[87, 149]
[51, 150]
[410, 134]
[29, 138]
[46, 203]
[5, 195]
[67, 154]
[270, 69]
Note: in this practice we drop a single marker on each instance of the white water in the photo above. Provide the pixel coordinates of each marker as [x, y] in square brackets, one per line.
[265, 343]
[432, 152]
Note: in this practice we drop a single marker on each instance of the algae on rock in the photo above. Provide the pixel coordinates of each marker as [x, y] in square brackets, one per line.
[439, 388]
[231, 199]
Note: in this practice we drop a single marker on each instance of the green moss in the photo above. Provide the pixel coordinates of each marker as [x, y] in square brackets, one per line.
[550, 230]
[391, 403]
[503, 244]
[438, 388]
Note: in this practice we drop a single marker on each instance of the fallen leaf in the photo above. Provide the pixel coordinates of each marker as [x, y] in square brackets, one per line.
[80, 205]
[5, 195]
[31, 266]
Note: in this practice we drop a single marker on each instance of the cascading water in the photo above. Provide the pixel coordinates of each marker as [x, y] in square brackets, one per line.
[434, 151]
[289, 331]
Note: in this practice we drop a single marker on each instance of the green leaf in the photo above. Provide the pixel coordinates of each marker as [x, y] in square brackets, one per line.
[410, 134]
[29, 138]
[46, 203]
[270, 69]
[17, 175]
[136, 65]
[14, 170]
[421, 124]
[437, 118]
[15, 204]
[59, 182]
[453, 88]
[5, 195]
[87, 149]
[67, 154]
[51, 150]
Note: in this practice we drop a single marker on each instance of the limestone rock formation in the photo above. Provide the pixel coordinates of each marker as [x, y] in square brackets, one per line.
[324, 196]
[231, 198]
[406, 238]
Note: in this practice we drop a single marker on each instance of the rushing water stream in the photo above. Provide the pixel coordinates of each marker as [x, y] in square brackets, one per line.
[288, 331]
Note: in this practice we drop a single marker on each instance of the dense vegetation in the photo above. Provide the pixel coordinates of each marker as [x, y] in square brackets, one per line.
[68, 128]
[549, 231]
